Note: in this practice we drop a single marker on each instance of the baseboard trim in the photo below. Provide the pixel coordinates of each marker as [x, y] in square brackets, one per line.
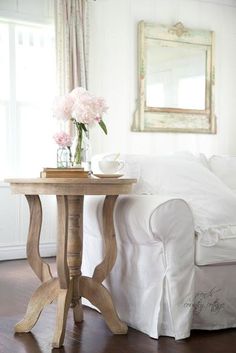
[12, 252]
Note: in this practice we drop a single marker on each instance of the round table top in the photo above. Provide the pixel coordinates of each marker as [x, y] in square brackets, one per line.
[71, 186]
[89, 180]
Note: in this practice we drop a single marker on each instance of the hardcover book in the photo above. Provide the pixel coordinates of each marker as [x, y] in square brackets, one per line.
[64, 173]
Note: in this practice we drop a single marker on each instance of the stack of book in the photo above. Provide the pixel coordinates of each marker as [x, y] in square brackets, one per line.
[64, 173]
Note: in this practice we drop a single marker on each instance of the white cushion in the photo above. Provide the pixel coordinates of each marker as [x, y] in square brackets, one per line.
[144, 167]
[213, 204]
[225, 168]
[224, 251]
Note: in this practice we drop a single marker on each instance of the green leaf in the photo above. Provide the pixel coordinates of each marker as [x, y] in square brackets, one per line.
[103, 126]
[83, 127]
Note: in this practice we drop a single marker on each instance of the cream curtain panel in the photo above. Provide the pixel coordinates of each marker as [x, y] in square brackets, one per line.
[71, 22]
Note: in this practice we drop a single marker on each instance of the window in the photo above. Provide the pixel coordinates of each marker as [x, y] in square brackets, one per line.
[27, 88]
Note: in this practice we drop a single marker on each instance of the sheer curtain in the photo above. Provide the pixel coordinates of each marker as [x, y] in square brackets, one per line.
[71, 23]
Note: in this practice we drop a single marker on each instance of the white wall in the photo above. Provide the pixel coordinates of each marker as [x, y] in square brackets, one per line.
[113, 71]
[14, 221]
[113, 74]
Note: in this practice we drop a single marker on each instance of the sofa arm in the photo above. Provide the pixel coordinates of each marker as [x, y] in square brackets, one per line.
[163, 231]
[154, 271]
[146, 219]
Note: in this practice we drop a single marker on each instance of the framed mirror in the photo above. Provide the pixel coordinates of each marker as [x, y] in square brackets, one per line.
[175, 79]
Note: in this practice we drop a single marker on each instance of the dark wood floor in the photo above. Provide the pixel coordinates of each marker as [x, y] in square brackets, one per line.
[17, 282]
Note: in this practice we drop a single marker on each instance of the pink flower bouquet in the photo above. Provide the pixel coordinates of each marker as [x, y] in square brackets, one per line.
[84, 110]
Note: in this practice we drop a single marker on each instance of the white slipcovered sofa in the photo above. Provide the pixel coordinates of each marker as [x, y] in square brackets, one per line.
[176, 238]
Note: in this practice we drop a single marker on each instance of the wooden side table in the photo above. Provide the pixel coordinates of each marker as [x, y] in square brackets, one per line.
[70, 285]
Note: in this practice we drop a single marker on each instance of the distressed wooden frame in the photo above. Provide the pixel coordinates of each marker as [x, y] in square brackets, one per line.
[152, 119]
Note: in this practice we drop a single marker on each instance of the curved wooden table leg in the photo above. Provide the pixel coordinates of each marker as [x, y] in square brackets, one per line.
[92, 288]
[63, 304]
[40, 268]
[43, 296]
[99, 296]
[105, 267]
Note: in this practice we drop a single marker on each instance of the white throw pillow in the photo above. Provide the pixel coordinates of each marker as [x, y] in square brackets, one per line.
[142, 167]
[213, 204]
[225, 168]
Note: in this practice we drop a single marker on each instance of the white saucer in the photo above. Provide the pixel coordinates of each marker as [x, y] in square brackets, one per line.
[108, 175]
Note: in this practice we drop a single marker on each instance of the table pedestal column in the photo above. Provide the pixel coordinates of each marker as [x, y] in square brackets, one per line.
[74, 251]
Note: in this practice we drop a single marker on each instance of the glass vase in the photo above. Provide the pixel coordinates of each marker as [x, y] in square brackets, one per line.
[86, 156]
[82, 150]
[63, 157]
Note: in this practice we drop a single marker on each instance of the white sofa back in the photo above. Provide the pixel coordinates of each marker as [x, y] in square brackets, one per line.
[225, 168]
[188, 177]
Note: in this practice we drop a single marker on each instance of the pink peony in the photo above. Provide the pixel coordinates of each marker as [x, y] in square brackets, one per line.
[77, 92]
[88, 109]
[63, 139]
[63, 107]
[81, 106]
[101, 106]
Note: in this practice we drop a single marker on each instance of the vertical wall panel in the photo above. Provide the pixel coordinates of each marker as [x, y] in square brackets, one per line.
[113, 72]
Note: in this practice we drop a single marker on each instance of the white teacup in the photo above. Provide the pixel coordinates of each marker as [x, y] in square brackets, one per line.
[110, 167]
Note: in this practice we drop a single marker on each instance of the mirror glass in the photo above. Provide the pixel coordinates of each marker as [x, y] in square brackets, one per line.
[175, 79]
[176, 75]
